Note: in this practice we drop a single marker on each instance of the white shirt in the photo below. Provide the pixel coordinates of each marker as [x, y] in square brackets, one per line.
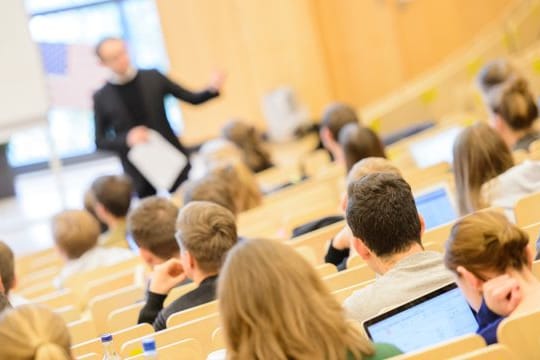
[90, 260]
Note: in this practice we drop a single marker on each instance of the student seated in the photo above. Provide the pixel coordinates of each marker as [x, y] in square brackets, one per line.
[7, 275]
[339, 247]
[334, 118]
[112, 200]
[274, 305]
[485, 174]
[492, 263]
[387, 229]
[33, 332]
[205, 232]
[75, 234]
[249, 141]
[152, 226]
[359, 142]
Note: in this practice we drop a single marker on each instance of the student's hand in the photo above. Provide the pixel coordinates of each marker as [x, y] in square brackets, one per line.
[137, 135]
[343, 239]
[166, 276]
[502, 294]
[217, 80]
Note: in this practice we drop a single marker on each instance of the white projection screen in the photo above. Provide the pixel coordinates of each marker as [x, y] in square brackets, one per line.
[23, 95]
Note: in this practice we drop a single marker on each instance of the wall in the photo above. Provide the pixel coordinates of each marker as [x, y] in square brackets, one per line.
[349, 50]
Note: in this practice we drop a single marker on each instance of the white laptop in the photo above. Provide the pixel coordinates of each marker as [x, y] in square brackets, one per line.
[438, 316]
[435, 149]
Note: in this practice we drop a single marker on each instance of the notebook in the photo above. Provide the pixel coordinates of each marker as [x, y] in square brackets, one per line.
[438, 316]
[435, 149]
[436, 206]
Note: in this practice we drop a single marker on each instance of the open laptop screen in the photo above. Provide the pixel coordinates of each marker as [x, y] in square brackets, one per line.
[433, 318]
[436, 207]
[435, 149]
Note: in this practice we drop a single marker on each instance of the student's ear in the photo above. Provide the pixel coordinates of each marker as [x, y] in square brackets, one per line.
[530, 255]
[361, 248]
[149, 258]
[326, 136]
[100, 210]
[344, 202]
[422, 225]
[472, 280]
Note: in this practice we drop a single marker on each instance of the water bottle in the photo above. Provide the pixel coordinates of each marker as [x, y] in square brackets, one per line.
[149, 348]
[108, 349]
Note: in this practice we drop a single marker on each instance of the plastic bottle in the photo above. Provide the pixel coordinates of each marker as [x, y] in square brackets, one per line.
[149, 347]
[108, 350]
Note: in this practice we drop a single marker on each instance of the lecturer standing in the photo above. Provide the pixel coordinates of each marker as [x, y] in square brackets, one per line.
[131, 103]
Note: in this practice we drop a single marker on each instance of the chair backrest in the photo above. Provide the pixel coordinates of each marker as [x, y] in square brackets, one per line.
[491, 352]
[59, 299]
[344, 293]
[326, 269]
[308, 254]
[188, 349]
[109, 283]
[193, 313]
[200, 329]
[354, 260]
[177, 292]
[446, 349]
[68, 313]
[119, 338]
[91, 356]
[36, 290]
[31, 263]
[438, 234]
[526, 210]
[318, 239]
[520, 334]
[41, 276]
[81, 331]
[533, 231]
[218, 341]
[124, 317]
[101, 306]
[536, 269]
[349, 277]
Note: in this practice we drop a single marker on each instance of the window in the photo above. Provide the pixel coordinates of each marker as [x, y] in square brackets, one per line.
[66, 31]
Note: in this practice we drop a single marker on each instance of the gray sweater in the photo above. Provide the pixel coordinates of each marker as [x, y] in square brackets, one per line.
[410, 278]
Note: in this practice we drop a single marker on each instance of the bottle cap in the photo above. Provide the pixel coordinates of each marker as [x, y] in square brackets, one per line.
[106, 338]
[149, 345]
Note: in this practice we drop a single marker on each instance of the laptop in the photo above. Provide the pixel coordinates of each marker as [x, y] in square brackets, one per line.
[438, 316]
[435, 149]
[436, 206]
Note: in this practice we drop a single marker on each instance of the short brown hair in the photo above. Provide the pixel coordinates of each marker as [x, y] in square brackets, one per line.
[114, 193]
[359, 142]
[207, 231]
[152, 226]
[213, 188]
[75, 232]
[486, 241]
[336, 116]
[371, 165]
[7, 266]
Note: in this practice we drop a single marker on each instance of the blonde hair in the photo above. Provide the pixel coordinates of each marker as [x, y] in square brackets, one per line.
[7, 267]
[207, 231]
[242, 183]
[275, 306]
[75, 232]
[486, 241]
[33, 332]
[371, 165]
[514, 103]
[248, 139]
[480, 155]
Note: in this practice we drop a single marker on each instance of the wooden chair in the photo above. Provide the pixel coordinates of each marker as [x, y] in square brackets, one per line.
[41, 276]
[31, 263]
[491, 352]
[177, 292]
[318, 239]
[438, 234]
[119, 338]
[446, 349]
[124, 317]
[200, 329]
[520, 334]
[278, 175]
[109, 283]
[57, 299]
[354, 261]
[101, 306]
[308, 254]
[314, 162]
[188, 349]
[193, 313]
[434, 246]
[81, 331]
[218, 342]
[527, 210]
[536, 268]
[326, 269]
[37, 290]
[349, 277]
[344, 293]
[91, 356]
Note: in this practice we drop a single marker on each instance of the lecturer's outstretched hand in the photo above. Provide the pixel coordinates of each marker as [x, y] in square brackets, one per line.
[137, 135]
[217, 80]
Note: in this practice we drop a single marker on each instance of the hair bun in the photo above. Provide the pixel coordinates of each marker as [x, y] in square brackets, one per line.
[49, 350]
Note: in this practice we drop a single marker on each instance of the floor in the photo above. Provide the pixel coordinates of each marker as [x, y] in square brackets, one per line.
[25, 219]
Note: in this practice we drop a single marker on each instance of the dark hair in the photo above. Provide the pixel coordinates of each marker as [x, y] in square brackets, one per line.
[495, 73]
[97, 48]
[152, 225]
[382, 213]
[336, 116]
[359, 142]
[114, 193]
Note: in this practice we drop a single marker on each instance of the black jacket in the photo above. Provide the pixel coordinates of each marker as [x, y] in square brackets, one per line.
[113, 120]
